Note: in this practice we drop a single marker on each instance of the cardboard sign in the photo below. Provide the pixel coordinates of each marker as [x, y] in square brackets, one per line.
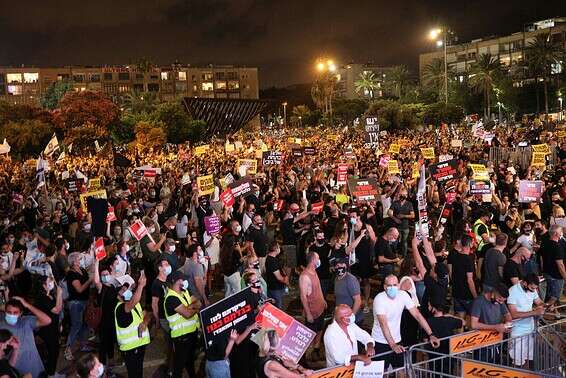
[94, 194]
[332, 137]
[371, 137]
[212, 224]
[220, 318]
[297, 152]
[538, 159]
[561, 134]
[272, 158]
[99, 250]
[228, 179]
[229, 147]
[342, 174]
[483, 370]
[238, 145]
[249, 166]
[428, 153]
[111, 216]
[472, 340]
[456, 143]
[342, 198]
[317, 207]
[530, 191]
[541, 148]
[205, 185]
[94, 184]
[294, 337]
[309, 151]
[138, 230]
[74, 185]
[241, 187]
[447, 170]
[393, 167]
[480, 187]
[384, 161]
[373, 370]
[394, 148]
[479, 172]
[363, 189]
[227, 198]
[337, 372]
[201, 150]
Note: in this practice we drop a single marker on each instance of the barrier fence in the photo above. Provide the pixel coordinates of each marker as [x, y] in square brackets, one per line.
[518, 155]
[482, 354]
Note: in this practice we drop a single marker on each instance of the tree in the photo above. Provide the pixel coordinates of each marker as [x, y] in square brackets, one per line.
[322, 91]
[299, 115]
[399, 76]
[51, 97]
[27, 137]
[367, 84]
[87, 107]
[176, 122]
[542, 54]
[346, 111]
[485, 71]
[434, 114]
[18, 113]
[83, 137]
[433, 77]
[149, 135]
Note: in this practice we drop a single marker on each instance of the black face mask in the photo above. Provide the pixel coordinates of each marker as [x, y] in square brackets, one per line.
[256, 265]
[256, 285]
[340, 271]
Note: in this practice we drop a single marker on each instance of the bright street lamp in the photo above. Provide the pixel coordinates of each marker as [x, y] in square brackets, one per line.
[320, 66]
[560, 114]
[434, 34]
[284, 113]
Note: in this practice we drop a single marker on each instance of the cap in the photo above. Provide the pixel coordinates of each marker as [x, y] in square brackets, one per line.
[177, 275]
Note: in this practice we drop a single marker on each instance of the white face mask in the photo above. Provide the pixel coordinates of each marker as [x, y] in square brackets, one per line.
[151, 230]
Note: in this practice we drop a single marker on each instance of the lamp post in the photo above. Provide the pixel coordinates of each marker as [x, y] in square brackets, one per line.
[560, 114]
[434, 34]
[284, 114]
[328, 68]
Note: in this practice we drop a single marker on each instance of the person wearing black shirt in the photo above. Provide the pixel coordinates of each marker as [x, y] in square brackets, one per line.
[107, 301]
[276, 277]
[50, 301]
[553, 254]
[9, 351]
[256, 237]
[321, 247]
[513, 269]
[230, 256]
[217, 365]
[461, 264]
[385, 250]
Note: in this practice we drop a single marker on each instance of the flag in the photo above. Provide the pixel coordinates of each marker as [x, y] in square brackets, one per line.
[61, 157]
[70, 147]
[52, 146]
[41, 167]
[97, 146]
[4, 147]
[121, 161]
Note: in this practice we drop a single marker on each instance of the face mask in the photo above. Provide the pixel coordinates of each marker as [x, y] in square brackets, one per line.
[255, 265]
[50, 286]
[317, 265]
[11, 240]
[105, 279]
[238, 228]
[392, 291]
[352, 319]
[319, 241]
[100, 371]
[151, 230]
[257, 285]
[11, 319]
[172, 248]
[168, 270]
[185, 285]
[87, 227]
[82, 264]
[127, 295]
[340, 271]
[353, 220]
[67, 246]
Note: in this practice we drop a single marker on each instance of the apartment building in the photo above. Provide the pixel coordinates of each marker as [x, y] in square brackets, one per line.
[26, 84]
[348, 75]
[512, 50]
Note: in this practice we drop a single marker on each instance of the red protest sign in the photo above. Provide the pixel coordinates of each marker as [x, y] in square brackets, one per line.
[111, 217]
[99, 250]
[138, 230]
[227, 198]
[317, 207]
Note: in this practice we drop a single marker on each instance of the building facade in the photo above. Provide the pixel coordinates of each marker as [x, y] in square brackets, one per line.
[512, 50]
[26, 84]
[350, 73]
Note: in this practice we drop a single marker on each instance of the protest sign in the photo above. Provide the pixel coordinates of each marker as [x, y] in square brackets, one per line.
[349, 153]
[99, 250]
[393, 167]
[317, 207]
[538, 159]
[445, 157]
[201, 150]
[205, 185]
[428, 153]
[95, 194]
[541, 148]
[94, 184]
[247, 166]
[416, 171]
[421, 202]
[309, 151]
[74, 185]
[363, 189]
[384, 161]
[212, 224]
[456, 143]
[297, 152]
[530, 191]
[480, 187]
[272, 158]
[229, 147]
[238, 145]
[294, 337]
[561, 134]
[227, 198]
[186, 179]
[371, 137]
[228, 179]
[444, 171]
[479, 172]
[476, 369]
[111, 216]
[344, 371]
[373, 370]
[138, 230]
[241, 187]
[394, 148]
[220, 318]
[342, 174]
[342, 198]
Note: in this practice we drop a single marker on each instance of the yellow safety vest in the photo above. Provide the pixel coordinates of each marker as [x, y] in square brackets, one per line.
[178, 324]
[479, 239]
[128, 337]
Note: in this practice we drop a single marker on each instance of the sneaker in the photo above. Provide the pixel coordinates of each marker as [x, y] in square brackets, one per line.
[69, 354]
[366, 310]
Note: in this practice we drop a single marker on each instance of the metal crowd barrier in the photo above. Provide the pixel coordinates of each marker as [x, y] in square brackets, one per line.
[518, 155]
[348, 371]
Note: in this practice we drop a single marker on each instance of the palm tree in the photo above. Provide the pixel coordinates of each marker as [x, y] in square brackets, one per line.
[542, 54]
[322, 91]
[138, 102]
[399, 76]
[366, 84]
[433, 76]
[484, 72]
[300, 114]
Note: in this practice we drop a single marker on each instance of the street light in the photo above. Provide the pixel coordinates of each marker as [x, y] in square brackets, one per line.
[560, 114]
[284, 113]
[327, 69]
[434, 34]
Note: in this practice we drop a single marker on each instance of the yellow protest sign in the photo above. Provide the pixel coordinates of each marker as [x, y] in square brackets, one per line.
[205, 185]
[538, 159]
[201, 150]
[404, 142]
[333, 137]
[229, 147]
[561, 134]
[342, 198]
[95, 194]
[541, 148]
[250, 166]
[393, 167]
[416, 170]
[238, 145]
[470, 340]
[428, 153]
[394, 148]
[94, 184]
[480, 172]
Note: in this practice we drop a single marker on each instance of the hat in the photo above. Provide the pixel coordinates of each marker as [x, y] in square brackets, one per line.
[441, 270]
[177, 275]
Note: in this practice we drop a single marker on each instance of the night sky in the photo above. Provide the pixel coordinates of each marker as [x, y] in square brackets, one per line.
[283, 38]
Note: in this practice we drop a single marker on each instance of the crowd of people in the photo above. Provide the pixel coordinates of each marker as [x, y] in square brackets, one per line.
[371, 277]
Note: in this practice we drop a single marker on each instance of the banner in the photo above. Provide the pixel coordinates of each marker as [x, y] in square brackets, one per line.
[227, 198]
[74, 185]
[472, 340]
[541, 148]
[317, 207]
[297, 152]
[205, 185]
[530, 191]
[201, 150]
[342, 174]
[421, 201]
[363, 189]
[212, 224]
[111, 216]
[480, 187]
[456, 143]
[272, 158]
[371, 137]
[394, 148]
[294, 337]
[247, 167]
[428, 153]
[337, 372]
[447, 170]
[99, 250]
[309, 151]
[479, 172]
[393, 167]
[220, 318]
[349, 153]
[484, 370]
[138, 230]
[241, 187]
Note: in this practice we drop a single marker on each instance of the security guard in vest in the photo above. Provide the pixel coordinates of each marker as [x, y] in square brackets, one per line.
[131, 326]
[181, 311]
[481, 231]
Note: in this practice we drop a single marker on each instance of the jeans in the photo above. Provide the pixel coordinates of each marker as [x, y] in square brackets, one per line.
[420, 288]
[554, 287]
[78, 326]
[217, 369]
[277, 295]
[232, 284]
[404, 238]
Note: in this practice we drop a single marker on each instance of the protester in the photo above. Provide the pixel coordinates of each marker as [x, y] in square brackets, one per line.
[312, 298]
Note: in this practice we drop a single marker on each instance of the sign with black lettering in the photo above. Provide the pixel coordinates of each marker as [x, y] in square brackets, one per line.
[74, 185]
[241, 187]
[271, 157]
[447, 170]
[472, 340]
[309, 151]
[483, 370]
[371, 137]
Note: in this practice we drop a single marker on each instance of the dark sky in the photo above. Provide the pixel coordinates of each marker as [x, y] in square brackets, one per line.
[283, 38]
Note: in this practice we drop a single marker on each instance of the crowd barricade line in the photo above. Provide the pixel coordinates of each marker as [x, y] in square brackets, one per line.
[518, 155]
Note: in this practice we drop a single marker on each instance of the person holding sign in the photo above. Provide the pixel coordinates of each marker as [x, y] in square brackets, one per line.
[181, 311]
[271, 365]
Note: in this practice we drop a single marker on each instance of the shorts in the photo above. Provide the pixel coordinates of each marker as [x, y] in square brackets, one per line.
[522, 349]
[463, 305]
[317, 324]
[554, 287]
[391, 358]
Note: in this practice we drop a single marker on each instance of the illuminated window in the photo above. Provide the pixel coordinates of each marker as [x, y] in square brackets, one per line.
[233, 84]
[14, 78]
[221, 85]
[31, 77]
[182, 76]
[207, 87]
[15, 90]
[207, 76]
[505, 60]
[123, 88]
[195, 88]
[165, 76]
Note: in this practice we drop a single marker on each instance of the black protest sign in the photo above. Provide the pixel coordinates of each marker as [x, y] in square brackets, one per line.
[297, 152]
[219, 319]
[309, 151]
[74, 185]
[480, 187]
[271, 157]
[444, 171]
[363, 189]
[241, 187]
[371, 137]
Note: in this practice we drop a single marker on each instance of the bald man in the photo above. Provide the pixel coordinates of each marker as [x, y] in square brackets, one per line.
[513, 270]
[341, 339]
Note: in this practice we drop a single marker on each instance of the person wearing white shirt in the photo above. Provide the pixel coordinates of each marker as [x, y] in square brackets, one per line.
[388, 308]
[341, 339]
